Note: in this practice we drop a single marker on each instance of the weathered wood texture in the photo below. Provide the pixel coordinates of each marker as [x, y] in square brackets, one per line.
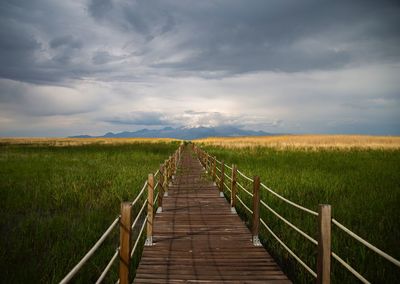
[196, 239]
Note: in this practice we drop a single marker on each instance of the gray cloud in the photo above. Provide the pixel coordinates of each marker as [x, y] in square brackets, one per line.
[141, 118]
[66, 41]
[42, 41]
[234, 37]
[276, 65]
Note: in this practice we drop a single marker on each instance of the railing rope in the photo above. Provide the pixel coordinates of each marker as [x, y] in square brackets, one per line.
[79, 265]
[165, 172]
[367, 244]
[110, 263]
[325, 254]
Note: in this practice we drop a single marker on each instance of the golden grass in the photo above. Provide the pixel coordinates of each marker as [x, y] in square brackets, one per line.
[310, 142]
[60, 142]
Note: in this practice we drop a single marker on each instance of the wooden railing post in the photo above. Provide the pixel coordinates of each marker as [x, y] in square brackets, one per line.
[233, 189]
[165, 178]
[222, 181]
[256, 211]
[324, 244]
[172, 164]
[124, 242]
[214, 170]
[169, 167]
[161, 190]
[150, 208]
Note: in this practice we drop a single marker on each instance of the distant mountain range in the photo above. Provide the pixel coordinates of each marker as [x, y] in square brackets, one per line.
[182, 133]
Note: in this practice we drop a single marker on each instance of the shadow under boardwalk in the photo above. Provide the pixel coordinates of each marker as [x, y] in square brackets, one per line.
[198, 240]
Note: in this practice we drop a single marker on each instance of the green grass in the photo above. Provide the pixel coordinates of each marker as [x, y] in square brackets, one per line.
[363, 187]
[55, 202]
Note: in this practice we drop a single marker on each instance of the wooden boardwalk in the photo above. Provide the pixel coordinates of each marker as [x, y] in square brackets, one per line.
[198, 240]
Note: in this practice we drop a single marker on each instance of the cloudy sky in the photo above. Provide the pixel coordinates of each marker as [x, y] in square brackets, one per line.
[283, 66]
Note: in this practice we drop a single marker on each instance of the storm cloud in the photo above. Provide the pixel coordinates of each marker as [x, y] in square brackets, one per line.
[94, 66]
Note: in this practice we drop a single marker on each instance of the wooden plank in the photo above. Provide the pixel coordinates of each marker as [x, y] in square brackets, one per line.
[197, 239]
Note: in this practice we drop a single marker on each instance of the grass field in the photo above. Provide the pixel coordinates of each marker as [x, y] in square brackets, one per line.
[57, 197]
[307, 142]
[361, 181]
[55, 202]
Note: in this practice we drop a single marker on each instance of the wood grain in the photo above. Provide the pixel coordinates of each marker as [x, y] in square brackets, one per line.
[198, 240]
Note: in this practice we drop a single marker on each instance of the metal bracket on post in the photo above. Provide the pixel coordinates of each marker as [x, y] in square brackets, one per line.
[233, 210]
[221, 194]
[256, 241]
[159, 209]
[148, 242]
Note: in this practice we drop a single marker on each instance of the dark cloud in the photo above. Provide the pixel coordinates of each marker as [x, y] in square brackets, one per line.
[67, 41]
[201, 62]
[42, 41]
[235, 37]
[100, 8]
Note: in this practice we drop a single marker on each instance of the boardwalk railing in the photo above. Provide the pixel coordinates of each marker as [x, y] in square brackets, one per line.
[156, 184]
[239, 181]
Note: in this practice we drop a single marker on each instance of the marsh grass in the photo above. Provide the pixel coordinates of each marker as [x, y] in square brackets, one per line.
[306, 142]
[362, 185]
[57, 201]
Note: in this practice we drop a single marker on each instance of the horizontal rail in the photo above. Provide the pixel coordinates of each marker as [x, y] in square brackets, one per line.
[78, 266]
[228, 167]
[245, 190]
[290, 224]
[228, 177]
[219, 162]
[139, 213]
[367, 244]
[218, 169]
[140, 193]
[104, 273]
[243, 175]
[227, 187]
[156, 199]
[157, 172]
[290, 202]
[349, 268]
[289, 250]
[245, 206]
[138, 237]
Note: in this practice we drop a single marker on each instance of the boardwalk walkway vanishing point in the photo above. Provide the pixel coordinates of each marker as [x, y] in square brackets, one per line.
[197, 239]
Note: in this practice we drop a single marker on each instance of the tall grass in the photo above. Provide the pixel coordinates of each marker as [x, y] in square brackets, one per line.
[362, 185]
[55, 202]
[309, 142]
